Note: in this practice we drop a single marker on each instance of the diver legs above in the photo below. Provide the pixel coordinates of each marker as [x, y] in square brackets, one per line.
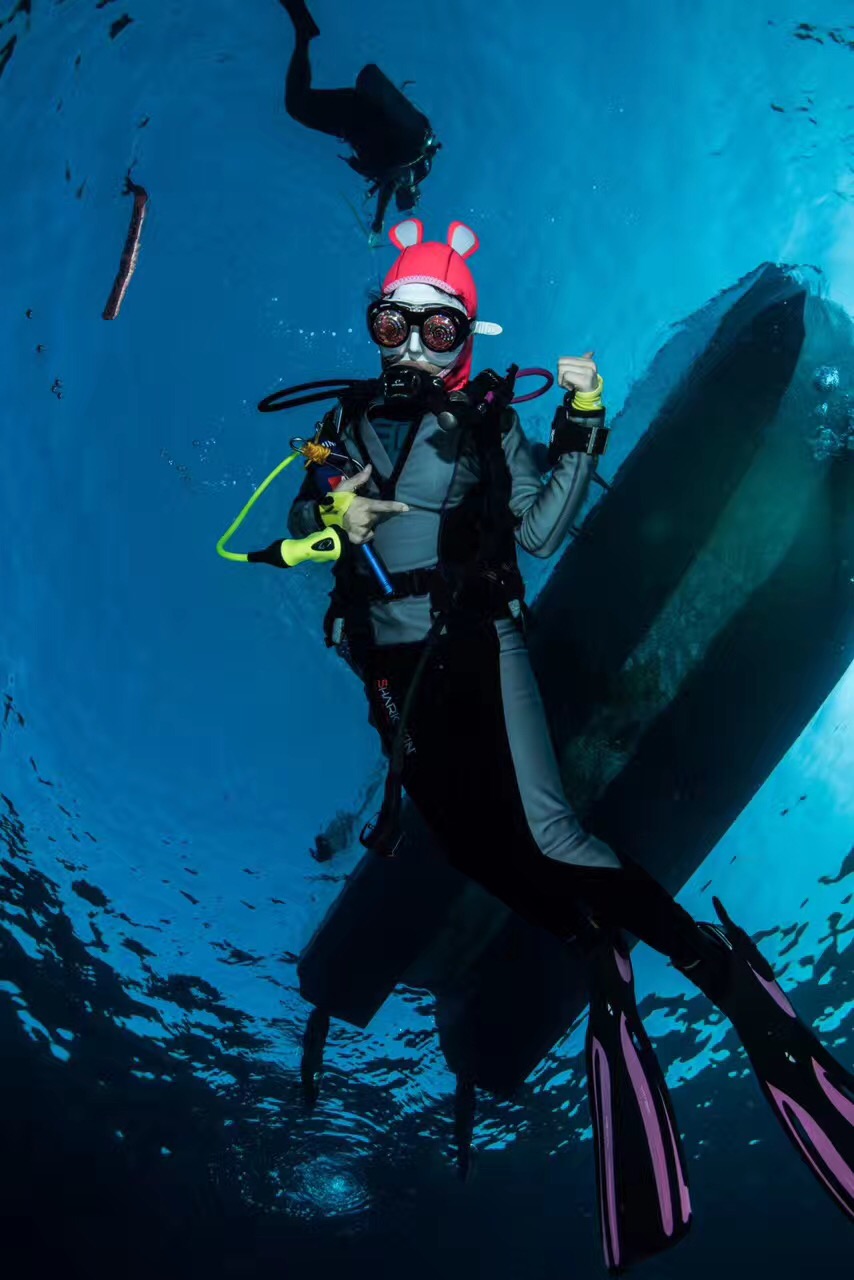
[305, 26]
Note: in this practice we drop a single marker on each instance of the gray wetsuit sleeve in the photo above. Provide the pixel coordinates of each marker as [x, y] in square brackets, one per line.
[545, 509]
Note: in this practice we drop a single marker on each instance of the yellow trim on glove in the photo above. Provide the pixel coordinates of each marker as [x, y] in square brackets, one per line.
[589, 400]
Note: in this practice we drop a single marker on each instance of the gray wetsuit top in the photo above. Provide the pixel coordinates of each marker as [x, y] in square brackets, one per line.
[441, 468]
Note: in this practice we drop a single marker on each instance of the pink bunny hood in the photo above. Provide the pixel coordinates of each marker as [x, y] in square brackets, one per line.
[444, 267]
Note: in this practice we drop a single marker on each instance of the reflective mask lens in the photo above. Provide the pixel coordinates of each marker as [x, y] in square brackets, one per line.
[389, 328]
[440, 332]
[442, 329]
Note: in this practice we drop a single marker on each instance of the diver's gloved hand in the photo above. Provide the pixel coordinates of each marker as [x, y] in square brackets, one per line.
[579, 423]
[580, 375]
[363, 514]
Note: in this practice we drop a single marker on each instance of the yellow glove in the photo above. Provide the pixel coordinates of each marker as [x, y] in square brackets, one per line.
[334, 506]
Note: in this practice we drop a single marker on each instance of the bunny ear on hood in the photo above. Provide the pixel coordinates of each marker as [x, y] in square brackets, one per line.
[462, 239]
[406, 234]
[443, 266]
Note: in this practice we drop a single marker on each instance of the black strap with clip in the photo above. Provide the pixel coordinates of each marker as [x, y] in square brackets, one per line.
[577, 431]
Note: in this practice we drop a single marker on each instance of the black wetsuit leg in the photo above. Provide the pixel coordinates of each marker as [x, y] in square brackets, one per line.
[459, 772]
[342, 113]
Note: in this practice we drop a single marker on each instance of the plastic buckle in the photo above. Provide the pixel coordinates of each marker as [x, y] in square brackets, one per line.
[378, 835]
[594, 449]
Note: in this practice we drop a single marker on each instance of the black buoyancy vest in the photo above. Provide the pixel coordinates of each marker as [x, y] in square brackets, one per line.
[477, 572]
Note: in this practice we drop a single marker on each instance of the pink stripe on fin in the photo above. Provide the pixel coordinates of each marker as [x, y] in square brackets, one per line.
[825, 1148]
[602, 1102]
[651, 1126]
[775, 991]
[624, 965]
[836, 1099]
[684, 1193]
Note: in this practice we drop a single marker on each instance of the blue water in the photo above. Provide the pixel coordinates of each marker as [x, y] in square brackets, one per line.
[162, 752]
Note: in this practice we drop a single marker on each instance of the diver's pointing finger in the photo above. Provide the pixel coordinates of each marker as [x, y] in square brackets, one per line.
[388, 507]
[351, 483]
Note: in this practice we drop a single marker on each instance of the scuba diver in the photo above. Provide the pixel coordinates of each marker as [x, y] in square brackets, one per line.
[394, 143]
[420, 485]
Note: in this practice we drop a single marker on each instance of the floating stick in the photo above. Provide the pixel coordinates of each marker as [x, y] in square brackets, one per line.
[130, 253]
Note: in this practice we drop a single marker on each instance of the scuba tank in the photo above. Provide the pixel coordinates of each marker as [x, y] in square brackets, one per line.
[402, 118]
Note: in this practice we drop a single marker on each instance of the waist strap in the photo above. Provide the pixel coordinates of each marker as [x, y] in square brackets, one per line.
[486, 596]
[411, 582]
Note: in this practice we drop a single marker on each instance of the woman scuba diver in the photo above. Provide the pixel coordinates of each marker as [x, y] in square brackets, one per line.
[441, 481]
